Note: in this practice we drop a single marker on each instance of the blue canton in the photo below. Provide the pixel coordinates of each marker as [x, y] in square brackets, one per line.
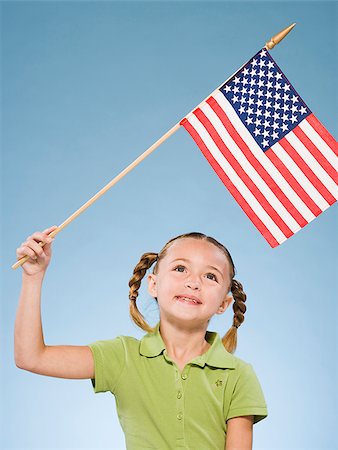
[264, 100]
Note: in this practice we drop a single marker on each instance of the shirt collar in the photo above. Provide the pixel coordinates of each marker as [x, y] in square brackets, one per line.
[216, 356]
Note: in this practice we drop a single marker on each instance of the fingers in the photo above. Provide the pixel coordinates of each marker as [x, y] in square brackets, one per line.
[50, 229]
[33, 249]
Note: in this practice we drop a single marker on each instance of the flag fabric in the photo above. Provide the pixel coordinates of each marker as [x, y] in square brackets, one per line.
[274, 156]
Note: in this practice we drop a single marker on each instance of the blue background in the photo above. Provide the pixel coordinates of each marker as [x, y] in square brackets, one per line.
[86, 88]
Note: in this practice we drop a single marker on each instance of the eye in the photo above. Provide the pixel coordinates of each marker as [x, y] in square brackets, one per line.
[211, 276]
[179, 269]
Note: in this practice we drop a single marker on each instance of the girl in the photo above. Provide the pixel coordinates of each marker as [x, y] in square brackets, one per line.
[179, 387]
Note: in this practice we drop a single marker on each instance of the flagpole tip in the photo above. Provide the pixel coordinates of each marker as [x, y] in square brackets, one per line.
[279, 36]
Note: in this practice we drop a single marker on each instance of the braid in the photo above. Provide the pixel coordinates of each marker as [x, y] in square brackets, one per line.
[146, 261]
[230, 338]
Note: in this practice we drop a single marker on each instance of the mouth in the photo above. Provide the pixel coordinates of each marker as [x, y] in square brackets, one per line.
[188, 299]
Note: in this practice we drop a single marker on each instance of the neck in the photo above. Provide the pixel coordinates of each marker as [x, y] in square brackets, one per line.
[183, 342]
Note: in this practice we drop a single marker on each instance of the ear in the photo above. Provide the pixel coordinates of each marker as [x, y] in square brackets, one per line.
[227, 301]
[152, 286]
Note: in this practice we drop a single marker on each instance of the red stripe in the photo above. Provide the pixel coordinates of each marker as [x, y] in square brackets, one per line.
[315, 152]
[313, 207]
[230, 186]
[322, 131]
[314, 180]
[268, 208]
[263, 173]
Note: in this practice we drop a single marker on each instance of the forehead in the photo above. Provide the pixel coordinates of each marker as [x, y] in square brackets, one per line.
[197, 250]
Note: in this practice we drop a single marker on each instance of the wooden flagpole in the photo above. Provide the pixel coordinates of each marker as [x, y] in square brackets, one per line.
[269, 45]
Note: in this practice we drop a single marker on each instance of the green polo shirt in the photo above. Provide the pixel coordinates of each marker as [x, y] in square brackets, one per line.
[160, 408]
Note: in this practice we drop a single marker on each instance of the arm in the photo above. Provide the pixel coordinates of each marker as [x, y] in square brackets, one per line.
[30, 351]
[239, 433]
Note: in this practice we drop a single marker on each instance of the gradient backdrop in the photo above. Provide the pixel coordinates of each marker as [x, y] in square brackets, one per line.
[87, 87]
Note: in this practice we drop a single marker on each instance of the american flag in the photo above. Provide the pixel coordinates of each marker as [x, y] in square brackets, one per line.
[274, 156]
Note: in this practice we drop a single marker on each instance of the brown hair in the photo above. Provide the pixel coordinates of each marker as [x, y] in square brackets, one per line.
[229, 340]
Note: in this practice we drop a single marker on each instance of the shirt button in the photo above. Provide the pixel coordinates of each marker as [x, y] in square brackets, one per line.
[179, 394]
[184, 376]
[179, 416]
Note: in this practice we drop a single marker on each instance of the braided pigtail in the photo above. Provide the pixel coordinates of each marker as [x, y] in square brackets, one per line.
[146, 261]
[230, 338]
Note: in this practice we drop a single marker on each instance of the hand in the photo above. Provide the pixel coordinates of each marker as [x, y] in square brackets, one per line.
[39, 257]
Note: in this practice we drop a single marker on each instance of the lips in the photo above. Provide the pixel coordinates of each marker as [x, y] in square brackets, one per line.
[189, 299]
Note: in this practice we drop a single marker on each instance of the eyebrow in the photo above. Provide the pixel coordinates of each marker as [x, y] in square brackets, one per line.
[188, 260]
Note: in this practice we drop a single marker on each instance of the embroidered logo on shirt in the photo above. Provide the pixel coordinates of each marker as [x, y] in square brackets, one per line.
[219, 383]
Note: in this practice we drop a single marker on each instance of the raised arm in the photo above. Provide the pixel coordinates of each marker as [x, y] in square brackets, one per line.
[30, 351]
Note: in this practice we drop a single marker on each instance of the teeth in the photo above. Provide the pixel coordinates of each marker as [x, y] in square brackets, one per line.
[188, 299]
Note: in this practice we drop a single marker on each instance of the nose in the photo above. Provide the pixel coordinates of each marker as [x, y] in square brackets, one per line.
[193, 284]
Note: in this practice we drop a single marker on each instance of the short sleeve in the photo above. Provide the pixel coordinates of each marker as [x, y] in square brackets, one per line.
[109, 361]
[248, 398]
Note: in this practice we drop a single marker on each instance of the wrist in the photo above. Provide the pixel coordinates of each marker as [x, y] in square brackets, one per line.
[33, 278]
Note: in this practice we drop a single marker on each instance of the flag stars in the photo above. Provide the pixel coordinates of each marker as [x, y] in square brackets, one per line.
[286, 97]
[265, 133]
[294, 108]
[264, 100]
[270, 65]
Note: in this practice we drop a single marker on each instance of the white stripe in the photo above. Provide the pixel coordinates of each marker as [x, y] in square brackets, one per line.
[319, 143]
[262, 159]
[316, 168]
[299, 175]
[256, 207]
[250, 170]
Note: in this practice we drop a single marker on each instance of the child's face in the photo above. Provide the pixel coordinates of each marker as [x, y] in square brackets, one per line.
[194, 269]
